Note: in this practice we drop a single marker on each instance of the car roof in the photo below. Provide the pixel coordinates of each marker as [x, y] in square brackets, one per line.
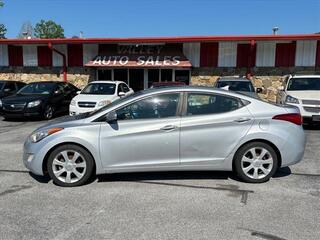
[106, 81]
[190, 89]
[222, 79]
[305, 76]
[11, 81]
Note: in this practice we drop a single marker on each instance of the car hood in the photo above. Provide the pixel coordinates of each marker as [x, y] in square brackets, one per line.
[24, 98]
[93, 98]
[65, 121]
[304, 94]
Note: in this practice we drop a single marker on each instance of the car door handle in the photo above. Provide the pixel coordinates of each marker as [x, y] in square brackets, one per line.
[243, 119]
[168, 128]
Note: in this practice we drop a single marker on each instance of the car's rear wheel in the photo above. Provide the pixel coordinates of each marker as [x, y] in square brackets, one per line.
[70, 165]
[48, 112]
[256, 162]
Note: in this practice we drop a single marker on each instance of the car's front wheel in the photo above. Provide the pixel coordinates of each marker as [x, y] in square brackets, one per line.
[70, 165]
[48, 112]
[256, 162]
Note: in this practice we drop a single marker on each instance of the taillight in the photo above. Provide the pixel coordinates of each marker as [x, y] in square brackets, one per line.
[290, 117]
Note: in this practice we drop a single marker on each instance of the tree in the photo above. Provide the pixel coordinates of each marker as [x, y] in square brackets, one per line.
[48, 29]
[3, 31]
[1, 3]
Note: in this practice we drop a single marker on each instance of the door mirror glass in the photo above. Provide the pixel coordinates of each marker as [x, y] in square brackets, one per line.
[111, 117]
[259, 90]
[121, 94]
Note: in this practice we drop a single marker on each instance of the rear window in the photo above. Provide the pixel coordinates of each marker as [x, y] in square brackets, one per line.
[240, 86]
[200, 104]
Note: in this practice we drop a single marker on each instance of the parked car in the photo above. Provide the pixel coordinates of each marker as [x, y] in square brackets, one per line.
[170, 129]
[167, 84]
[98, 94]
[242, 85]
[303, 92]
[41, 99]
[8, 87]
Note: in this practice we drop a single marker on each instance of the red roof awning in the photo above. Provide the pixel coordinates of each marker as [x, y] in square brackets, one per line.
[147, 56]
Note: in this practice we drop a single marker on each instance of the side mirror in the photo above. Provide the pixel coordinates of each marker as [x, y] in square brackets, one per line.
[121, 94]
[78, 92]
[281, 88]
[111, 117]
[57, 92]
[7, 90]
[259, 90]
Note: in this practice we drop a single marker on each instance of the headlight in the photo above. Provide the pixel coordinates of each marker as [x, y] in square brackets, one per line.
[39, 135]
[73, 103]
[290, 99]
[103, 103]
[34, 104]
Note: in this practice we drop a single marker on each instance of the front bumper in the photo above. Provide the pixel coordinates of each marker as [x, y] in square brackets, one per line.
[33, 156]
[25, 112]
[75, 110]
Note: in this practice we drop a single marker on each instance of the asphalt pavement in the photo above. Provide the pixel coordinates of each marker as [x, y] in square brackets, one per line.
[175, 205]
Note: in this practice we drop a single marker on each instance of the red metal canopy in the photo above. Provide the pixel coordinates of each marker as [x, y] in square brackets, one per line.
[165, 39]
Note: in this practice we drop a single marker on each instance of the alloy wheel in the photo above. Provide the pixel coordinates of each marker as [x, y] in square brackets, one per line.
[257, 163]
[48, 112]
[69, 166]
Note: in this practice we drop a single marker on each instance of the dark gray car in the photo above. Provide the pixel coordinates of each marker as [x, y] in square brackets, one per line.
[242, 85]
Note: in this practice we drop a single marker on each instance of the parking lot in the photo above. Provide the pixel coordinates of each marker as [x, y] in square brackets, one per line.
[176, 205]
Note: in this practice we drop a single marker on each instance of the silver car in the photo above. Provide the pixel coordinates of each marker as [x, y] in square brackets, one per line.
[166, 129]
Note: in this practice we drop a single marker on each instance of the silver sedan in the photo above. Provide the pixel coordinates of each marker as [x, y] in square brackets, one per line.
[170, 129]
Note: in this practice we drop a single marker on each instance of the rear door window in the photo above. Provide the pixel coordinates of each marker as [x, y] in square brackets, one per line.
[201, 104]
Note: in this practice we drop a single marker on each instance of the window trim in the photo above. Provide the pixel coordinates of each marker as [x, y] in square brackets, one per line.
[185, 103]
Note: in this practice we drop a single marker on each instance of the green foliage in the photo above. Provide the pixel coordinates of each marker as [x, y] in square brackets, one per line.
[48, 29]
[1, 3]
[3, 31]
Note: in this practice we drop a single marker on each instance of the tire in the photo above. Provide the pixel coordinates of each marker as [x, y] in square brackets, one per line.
[48, 112]
[75, 171]
[256, 162]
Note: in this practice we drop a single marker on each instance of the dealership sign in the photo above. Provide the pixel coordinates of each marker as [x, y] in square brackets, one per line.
[141, 56]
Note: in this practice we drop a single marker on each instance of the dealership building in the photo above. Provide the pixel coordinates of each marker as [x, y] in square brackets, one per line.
[197, 60]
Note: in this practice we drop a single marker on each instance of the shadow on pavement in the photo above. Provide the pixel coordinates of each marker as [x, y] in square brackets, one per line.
[164, 176]
[312, 127]
[40, 179]
[282, 172]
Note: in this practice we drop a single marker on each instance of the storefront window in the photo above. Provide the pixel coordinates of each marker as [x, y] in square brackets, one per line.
[104, 74]
[182, 76]
[166, 75]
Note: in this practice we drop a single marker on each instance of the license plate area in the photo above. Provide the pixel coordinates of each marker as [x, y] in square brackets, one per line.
[316, 118]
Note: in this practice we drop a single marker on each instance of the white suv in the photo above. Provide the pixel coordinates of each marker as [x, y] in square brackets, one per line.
[98, 94]
[302, 91]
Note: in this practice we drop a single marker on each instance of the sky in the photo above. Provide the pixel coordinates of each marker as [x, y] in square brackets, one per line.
[138, 18]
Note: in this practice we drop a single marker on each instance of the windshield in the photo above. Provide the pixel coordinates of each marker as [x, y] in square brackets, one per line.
[38, 88]
[100, 89]
[240, 86]
[302, 84]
